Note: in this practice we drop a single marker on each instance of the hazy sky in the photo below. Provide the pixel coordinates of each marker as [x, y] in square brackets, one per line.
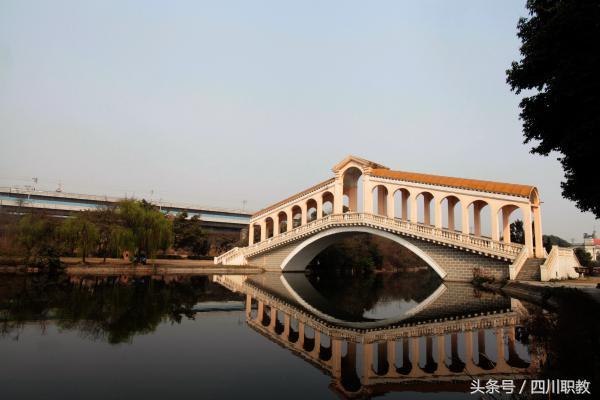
[219, 102]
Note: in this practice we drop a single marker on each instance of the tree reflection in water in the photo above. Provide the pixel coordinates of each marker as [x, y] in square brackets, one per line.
[114, 308]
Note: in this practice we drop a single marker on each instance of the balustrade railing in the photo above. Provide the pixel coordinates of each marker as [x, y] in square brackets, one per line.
[477, 243]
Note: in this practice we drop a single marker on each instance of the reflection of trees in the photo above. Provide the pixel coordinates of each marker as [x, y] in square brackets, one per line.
[356, 292]
[568, 338]
[109, 308]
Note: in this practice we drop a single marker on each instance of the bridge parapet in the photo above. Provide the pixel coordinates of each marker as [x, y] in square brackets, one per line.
[477, 244]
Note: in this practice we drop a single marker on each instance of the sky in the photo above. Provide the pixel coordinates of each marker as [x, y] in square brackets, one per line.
[239, 104]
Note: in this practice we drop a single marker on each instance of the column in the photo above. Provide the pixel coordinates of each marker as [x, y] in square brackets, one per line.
[304, 214]
[413, 209]
[528, 230]
[404, 195]
[506, 224]
[426, 210]
[477, 206]
[263, 230]
[381, 200]
[290, 220]
[367, 194]
[451, 201]
[319, 200]
[494, 222]
[251, 234]
[537, 225]
[338, 194]
[391, 213]
[464, 218]
[438, 213]
[275, 224]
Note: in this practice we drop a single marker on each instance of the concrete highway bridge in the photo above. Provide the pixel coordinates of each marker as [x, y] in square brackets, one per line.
[456, 225]
[453, 336]
[19, 200]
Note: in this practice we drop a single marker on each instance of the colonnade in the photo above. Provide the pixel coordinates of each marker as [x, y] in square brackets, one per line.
[358, 188]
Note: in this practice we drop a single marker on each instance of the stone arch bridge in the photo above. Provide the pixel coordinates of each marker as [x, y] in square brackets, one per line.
[456, 225]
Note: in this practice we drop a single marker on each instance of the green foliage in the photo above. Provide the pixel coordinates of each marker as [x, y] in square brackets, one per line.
[551, 240]
[585, 258]
[560, 68]
[80, 233]
[517, 235]
[36, 235]
[188, 235]
[149, 229]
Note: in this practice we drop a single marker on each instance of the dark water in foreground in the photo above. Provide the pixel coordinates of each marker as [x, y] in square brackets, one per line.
[404, 335]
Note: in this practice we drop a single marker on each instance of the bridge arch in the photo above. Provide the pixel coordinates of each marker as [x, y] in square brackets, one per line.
[299, 258]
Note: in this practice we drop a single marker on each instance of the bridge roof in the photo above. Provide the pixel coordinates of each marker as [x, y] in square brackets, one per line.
[462, 183]
[294, 197]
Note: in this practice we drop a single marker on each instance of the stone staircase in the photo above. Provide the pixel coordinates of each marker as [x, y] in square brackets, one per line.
[531, 270]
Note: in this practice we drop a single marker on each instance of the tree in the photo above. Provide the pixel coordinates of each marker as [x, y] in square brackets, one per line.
[36, 234]
[150, 229]
[560, 67]
[113, 237]
[517, 235]
[81, 233]
[189, 235]
[585, 258]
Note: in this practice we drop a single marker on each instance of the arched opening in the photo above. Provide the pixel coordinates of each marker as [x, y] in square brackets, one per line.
[282, 222]
[296, 216]
[327, 199]
[480, 219]
[512, 226]
[402, 204]
[352, 190]
[269, 225]
[380, 194]
[451, 213]
[311, 210]
[424, 209]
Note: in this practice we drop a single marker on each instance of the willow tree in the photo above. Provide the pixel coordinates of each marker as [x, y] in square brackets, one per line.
[80, 233]
[150, 229]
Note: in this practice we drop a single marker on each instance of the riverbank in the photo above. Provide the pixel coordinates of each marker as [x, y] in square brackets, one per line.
[117, 266]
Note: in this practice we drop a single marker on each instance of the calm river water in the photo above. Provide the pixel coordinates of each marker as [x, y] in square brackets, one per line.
[402, 335]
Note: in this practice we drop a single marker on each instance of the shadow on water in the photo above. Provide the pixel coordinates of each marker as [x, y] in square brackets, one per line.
[113, 308]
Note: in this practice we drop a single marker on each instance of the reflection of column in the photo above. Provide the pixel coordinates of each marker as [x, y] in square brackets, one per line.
[391, 357]
[442, 369]
[273, 319]
[300, 342]
[336, 358]
[260, 311]
[317, 348]
[286, 326]
[414, 356]
[469, 351]
[501, 365]
[382, 361]
[481, 344]
[367, 360]
[248, 306]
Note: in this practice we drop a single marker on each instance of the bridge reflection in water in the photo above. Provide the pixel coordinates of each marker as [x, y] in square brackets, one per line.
[453, 336]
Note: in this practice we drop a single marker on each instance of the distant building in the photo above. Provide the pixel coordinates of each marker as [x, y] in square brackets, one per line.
[592, 245]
